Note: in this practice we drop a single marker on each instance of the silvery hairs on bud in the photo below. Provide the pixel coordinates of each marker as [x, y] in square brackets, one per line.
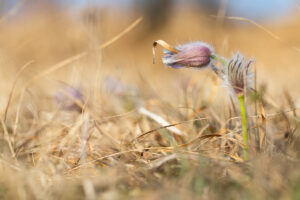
[236, 75]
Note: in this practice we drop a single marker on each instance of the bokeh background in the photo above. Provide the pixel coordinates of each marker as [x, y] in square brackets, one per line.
[47, 32]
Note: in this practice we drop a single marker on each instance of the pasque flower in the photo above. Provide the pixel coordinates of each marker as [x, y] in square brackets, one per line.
[237, 78]
[194, 54]
[236, 74]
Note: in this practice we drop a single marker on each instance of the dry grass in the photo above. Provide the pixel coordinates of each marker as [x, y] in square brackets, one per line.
[110, 148]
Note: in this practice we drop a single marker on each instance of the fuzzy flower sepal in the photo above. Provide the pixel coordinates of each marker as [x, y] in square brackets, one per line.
[236, 75]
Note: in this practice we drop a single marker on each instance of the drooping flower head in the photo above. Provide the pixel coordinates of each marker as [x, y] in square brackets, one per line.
[236, 74]
[190, 55]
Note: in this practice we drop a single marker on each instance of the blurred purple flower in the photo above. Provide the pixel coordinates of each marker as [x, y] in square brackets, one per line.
[69, 98]
[195, 55]
[112, 85]
[116, 87]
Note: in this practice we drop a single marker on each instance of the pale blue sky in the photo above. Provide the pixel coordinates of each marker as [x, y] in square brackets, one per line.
[262, 10]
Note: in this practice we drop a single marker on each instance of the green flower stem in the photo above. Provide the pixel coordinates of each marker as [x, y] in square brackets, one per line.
[244, 125]
[219, 59]
[241, 98]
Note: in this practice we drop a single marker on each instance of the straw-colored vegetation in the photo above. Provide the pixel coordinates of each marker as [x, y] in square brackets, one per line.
[86, 115]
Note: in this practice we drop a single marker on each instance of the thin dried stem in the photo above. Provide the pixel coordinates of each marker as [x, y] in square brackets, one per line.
[14, 86]
[7, 137]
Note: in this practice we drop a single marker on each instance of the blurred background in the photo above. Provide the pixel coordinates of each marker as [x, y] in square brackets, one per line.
[46, 32]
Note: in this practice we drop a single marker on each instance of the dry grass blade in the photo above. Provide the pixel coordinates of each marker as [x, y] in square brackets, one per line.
[12, 166]
[160, 161]
[84, 138]
[160, 120]
[210, 99]
[105, 157]
[120, 35]
[214, 90]
[153, 130]
[162, 149]
[199, 138]
[274, 36]
[163, 127]
[262, 129]
[14, 86]
[290, 102]
[105, 134]
[6, 136]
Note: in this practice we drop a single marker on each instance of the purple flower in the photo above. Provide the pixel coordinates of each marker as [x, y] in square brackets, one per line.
[195, 55]
[116, 87]
[69, 98]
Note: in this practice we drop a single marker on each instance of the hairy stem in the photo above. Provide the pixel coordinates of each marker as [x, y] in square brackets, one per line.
[241, 98]
[244, 126]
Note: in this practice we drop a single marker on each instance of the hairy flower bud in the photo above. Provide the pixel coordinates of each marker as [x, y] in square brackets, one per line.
[236, 75]
[195, 55]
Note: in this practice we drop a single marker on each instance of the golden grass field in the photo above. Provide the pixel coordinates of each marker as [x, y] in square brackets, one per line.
[107, 147]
